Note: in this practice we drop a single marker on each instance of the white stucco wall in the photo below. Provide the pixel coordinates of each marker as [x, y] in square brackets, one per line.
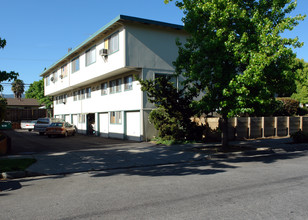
[101, 69]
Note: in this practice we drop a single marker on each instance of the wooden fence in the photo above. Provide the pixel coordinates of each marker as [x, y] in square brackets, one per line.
[16, 115]
[261, 127]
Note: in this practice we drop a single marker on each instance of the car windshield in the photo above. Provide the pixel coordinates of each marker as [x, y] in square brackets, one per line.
[56, 124]
[42, 121]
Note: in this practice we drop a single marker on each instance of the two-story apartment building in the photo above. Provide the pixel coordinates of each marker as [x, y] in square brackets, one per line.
[94, 84]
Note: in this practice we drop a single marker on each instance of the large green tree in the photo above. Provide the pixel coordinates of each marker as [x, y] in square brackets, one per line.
[36, 91]
[235, 53]
[301, 93]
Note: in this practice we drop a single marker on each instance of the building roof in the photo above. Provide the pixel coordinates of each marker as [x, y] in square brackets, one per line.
[113, 24]
[22, 102]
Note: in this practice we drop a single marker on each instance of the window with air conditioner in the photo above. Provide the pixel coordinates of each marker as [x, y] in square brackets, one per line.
[111, 43]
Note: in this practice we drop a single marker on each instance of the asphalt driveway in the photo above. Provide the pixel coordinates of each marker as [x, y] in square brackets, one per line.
[25, 142]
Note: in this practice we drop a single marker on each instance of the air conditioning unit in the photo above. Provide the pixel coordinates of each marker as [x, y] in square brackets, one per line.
[103, 52]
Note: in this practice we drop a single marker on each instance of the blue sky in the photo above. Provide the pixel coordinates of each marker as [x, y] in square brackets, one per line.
[39, 32]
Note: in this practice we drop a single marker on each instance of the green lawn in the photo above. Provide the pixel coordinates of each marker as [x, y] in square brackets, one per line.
[7, 165]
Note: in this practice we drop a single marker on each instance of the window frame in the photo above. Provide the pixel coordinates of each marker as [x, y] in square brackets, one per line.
[109, 43]
[128, 85]
[104, 91]
[73, 64]
[115, 119]
[88, 54]
[88, 93]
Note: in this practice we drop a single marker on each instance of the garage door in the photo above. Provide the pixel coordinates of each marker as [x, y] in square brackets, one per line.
[132, 122]
[103, 124]
[67, 118]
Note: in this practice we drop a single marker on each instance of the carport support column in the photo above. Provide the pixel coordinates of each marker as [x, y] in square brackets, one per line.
[96, 127]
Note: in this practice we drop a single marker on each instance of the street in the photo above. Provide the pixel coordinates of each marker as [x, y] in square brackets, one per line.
[267, 187]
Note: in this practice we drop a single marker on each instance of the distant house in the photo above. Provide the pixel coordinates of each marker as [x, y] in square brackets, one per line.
[23, 109]
[93, 85]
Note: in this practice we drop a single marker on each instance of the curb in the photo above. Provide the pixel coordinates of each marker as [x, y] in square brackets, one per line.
[18, 174]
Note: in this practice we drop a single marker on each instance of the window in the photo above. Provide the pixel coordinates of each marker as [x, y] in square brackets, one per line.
[55, 76]
[75, 64]
[115, 117]
[81, 118]
[128, 83]
[115, 85]
[47, 79]
[57, 100]
[81, 94]
[90, 56]
[63, 71]
[112, 43]
[104, 88]
[75, 94]
[88, 92]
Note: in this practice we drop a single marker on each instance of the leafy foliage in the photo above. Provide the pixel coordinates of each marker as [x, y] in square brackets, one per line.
[286, 107]
[301, 93]
[36, 91]
[172, 117]
[6, 76]
[3, 104]
[236, 55]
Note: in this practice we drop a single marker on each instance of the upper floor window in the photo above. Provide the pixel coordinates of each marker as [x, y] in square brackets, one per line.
[47, 80]
[90, 56]
[75, 64]
[55, 76]
[63, 71]
[104, 88]
[88, 92]
[112, 43]
[128, 83]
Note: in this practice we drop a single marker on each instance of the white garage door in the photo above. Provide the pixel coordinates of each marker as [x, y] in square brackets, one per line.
[133, 126]
[75, 120]
[67, 118]
[103, 124]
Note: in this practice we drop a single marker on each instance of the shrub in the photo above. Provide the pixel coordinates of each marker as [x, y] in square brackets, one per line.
[300, 137]
[302, 111]
[286, 107]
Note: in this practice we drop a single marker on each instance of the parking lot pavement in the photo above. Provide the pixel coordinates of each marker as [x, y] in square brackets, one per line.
[25, 142]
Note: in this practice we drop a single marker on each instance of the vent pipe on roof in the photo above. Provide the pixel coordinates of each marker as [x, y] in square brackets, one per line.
[69, 49]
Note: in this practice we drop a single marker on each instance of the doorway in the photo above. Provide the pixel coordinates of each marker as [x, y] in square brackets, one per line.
[91, 124]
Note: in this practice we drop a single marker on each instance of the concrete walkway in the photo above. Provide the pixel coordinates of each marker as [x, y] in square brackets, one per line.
[140, 156]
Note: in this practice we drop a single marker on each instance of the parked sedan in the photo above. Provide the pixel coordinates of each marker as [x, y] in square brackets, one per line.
[60, 129]
[28, 124]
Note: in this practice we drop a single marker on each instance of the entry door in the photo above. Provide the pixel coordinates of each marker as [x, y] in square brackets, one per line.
[103, 124]
[132, 122]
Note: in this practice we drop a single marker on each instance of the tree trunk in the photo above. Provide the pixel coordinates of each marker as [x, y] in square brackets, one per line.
[224, 134]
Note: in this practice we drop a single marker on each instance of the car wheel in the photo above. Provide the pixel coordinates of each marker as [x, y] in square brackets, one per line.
[41, 133]
[73, 134]
[30, 130]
